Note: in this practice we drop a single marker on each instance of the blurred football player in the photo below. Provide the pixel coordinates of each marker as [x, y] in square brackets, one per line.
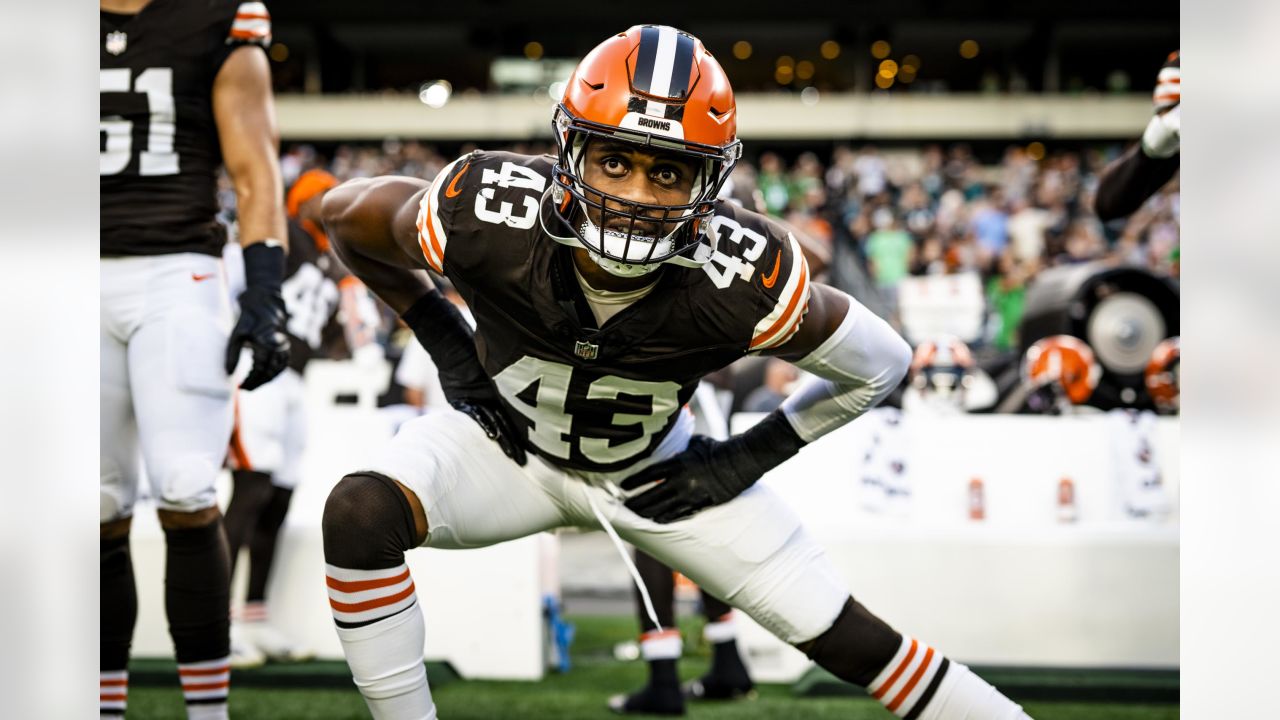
[184, 87]
[1059, 375]
[1144, 168]
[1163, 379]
[271, 422]
[661, 644]
[605, 282]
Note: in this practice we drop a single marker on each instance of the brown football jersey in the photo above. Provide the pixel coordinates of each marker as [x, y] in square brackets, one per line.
[158, 141]
[599, 399]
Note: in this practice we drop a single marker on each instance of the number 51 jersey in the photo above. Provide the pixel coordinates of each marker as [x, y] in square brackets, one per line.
[599, 400]
[158, 141]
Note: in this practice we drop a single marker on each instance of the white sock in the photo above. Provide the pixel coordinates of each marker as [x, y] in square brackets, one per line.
[920, 684]
[663, 644]
[204, 686]
[965, 696]
[385, 658]
[113, 688]
[722, 629]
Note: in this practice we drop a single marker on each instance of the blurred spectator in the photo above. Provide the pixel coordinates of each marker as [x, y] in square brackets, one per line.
[772, 181]
[890, 251]
[871, 170]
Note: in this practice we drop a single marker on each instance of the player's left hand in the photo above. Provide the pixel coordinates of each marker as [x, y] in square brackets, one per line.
[707, 473]
[496, 424]
[261, 327]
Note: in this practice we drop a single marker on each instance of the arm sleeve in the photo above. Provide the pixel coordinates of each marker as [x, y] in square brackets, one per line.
[1129, 181]
[853, 370]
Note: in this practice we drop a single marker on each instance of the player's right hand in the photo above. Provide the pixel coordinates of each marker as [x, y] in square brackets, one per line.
[261, 328]
[493, 419]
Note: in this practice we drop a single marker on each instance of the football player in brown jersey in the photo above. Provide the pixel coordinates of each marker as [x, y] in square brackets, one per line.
[605, 282]
[185, 87]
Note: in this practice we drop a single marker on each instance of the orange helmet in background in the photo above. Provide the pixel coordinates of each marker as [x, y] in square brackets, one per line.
[1064, 363]
[656, 87]
[1163, 376]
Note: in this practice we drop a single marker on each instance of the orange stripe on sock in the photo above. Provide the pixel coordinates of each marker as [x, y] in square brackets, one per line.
[902, 667]
[358, 585]
[371, 604]
[112, 697]
[915, 678]
[194, 687]
[114, 683]
[196, 672]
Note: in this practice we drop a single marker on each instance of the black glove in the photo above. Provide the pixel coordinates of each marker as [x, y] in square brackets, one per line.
[450, 342]
[711, 472]
[262, 317]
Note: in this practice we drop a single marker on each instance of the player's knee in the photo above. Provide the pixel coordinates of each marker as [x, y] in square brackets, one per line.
[856, 647]
[185, 483]
[367, 523]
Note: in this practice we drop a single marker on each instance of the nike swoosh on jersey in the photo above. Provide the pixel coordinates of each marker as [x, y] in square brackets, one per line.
[771, 278]
[201, 278]
[452, 190]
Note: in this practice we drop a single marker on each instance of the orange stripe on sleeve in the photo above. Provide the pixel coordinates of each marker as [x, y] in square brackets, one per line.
[783, 321]
[431, 232]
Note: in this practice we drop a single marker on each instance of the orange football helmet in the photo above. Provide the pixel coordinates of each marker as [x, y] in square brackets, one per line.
[1064, 363]
[1162, 375]
[656, 87]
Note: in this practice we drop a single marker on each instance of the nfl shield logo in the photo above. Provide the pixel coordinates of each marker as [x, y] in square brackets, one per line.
[116, 42]
[586, 350]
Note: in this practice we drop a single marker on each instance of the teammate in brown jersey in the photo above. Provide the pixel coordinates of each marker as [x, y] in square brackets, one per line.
[605, 282]
[184, 87]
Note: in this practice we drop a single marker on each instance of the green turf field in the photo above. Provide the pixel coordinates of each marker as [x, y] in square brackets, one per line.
[323, 691]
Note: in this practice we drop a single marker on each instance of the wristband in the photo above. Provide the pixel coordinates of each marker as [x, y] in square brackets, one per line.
[264, 264]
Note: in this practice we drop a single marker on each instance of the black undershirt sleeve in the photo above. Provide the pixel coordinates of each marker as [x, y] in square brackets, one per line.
[1127, 183]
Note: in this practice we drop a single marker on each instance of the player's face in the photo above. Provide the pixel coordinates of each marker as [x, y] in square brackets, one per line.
[638, 175]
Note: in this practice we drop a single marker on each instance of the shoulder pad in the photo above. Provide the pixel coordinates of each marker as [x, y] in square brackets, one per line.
[759, 256]
[478, 192]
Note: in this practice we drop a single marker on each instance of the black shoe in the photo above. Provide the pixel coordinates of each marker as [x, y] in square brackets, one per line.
[651, 700]
[720, 686]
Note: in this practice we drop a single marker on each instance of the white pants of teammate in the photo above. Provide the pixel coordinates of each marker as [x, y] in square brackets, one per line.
[164, 328]
[272, 428]
[750, 552]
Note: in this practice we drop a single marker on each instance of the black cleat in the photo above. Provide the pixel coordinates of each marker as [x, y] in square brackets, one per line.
[720, 686]
[650, 700]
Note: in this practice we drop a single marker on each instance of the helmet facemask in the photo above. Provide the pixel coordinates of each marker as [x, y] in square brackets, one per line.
[625, 237]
